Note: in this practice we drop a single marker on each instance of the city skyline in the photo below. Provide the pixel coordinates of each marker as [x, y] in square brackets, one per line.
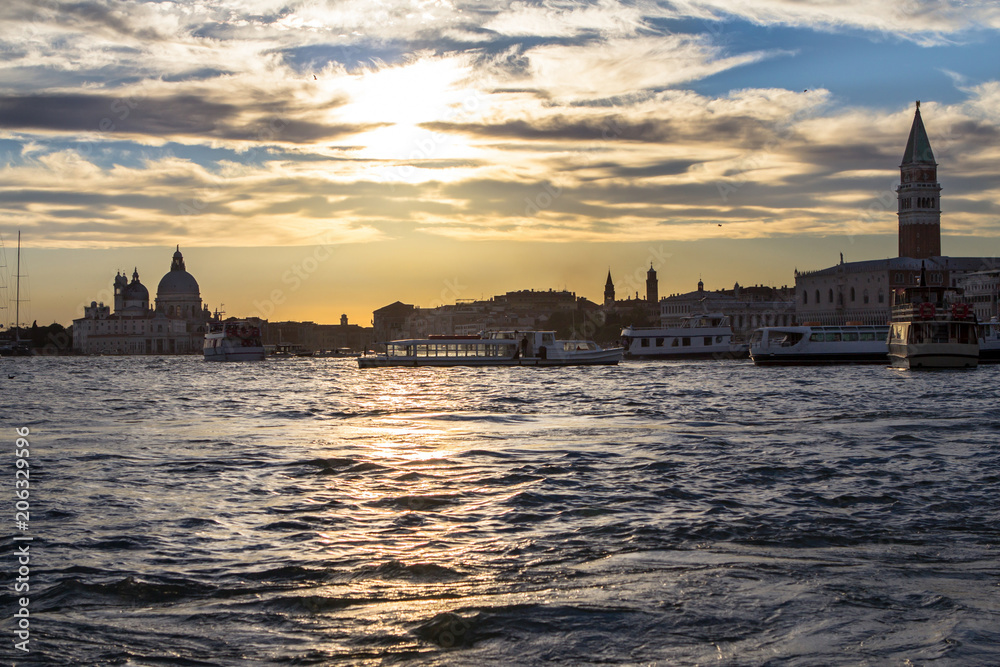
[343, 158]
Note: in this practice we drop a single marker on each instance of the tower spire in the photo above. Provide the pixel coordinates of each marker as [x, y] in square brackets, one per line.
[918, 196]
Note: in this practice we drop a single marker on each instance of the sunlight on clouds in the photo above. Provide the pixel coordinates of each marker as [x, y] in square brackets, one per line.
[625, 66]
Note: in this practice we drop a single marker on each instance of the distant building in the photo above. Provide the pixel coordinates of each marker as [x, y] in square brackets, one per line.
[524, 309]
[747, 307]
[312, 337]
[982, 291]
[863, 291]
[389, 322]
[176, 325]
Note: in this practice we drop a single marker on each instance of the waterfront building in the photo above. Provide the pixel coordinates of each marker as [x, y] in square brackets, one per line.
[862, 291]
[982, 292]
[523, 309]
[747, 307]
[175, 325]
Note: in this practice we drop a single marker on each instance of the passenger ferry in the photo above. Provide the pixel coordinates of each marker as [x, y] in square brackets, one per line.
[233, 341]
[699, 336]
[989, 342]
[501, 348]
[932, 328]
[814, 345]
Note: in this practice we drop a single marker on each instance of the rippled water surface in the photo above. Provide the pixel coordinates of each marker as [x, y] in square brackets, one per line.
[690, 513]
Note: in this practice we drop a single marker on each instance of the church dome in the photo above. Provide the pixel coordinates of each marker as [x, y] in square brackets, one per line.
[137, 292]
[178, 282]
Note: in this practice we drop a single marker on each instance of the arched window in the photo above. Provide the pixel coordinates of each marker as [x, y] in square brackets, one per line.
[864, 296]
[852, 295]
[881, 296]
[831, 296]
[805, 296]
[817, 296]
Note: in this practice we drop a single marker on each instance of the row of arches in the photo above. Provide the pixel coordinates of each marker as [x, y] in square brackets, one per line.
[917, 202]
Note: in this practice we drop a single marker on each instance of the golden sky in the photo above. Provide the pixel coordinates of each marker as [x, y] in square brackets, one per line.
[348, 154]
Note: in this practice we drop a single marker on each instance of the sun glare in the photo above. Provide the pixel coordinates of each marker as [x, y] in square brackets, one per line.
[401, 99]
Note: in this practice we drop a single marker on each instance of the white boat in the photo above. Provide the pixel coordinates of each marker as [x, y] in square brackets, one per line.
[233, 341]
[500, 348]
[699, 336]
[814, 345]
[989, 342]
[932, 328]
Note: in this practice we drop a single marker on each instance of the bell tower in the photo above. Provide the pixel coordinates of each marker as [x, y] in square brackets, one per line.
[609, 292]
[919, 197]
[652, 286]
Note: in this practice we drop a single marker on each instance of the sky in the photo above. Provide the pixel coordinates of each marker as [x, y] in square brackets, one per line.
[313, 158]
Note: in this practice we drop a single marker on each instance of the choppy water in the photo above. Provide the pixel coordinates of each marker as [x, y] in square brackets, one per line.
[305, 512]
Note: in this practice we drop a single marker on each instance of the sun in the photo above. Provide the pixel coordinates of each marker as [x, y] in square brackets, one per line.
[401, 99]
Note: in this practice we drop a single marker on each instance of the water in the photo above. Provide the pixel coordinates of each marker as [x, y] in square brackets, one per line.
[305, 512]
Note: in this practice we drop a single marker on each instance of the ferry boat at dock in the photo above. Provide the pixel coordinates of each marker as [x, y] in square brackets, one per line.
[705, 336]
[816, 345]
[500, 348]
[932, 327]
[233, 341]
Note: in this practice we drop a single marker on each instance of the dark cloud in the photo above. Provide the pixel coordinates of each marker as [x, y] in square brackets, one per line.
[120, 18]
[267, 121]
[743, 131]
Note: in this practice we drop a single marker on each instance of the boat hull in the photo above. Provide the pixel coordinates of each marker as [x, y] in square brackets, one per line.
[930, 357]
[721, 353]
[234, 354]
[807, 359]
[591, 358]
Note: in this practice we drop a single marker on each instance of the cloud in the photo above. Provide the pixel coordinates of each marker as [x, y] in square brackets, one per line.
[180, 115]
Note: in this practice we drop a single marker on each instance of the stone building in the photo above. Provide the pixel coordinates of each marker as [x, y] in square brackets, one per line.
[747, 307]
[175, 325]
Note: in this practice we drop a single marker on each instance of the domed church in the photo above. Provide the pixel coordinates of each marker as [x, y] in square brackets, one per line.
[176, 325]
[177, 294]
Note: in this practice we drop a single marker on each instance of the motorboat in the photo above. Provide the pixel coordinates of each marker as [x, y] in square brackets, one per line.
[235, 340]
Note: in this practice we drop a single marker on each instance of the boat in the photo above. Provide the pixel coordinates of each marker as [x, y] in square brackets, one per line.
[814, 345]
[498, 348]
[708, 335]
[236, 340]
[13, 346]
[989, 342]
[932, 327]
[338, 352]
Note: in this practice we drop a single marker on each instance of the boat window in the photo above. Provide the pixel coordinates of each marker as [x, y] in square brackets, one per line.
[816, 338]
[659, 342]
[755, 338]
[833, 337]
[718, 339]
[686, 342]
[708, 340]
[673, 342]
[644, 342]
[851, 337]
